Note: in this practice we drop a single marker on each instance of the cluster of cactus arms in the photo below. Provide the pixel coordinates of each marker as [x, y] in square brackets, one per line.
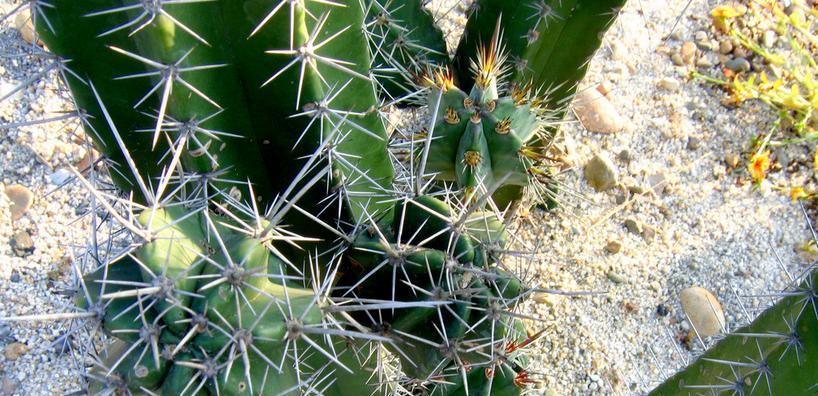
[773, 355]
[261, 241]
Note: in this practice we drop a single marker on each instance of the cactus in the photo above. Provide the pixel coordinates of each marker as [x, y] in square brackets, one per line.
[404, 42]
[774, 355]
[538, 34]
[481, 140]
[261, 241]
[513, 63]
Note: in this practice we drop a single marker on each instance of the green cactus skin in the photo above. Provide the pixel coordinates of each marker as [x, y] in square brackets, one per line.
[774, 355]
[549, 42]
[217, 86]
[405, 42]
[296, 101]
[162, 44]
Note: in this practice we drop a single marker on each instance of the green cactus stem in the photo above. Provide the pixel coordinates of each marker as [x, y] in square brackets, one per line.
[482, 140]
[774, 355]
[549, 42]
[405, 42]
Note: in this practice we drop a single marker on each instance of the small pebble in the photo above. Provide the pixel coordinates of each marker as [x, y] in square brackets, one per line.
[8, 386]
[633, 226]
[5, 333]
[658, 183]
[597, 113]
[740, 52]
[22, 244]
[677, 59]
[693, 143]
[615, 278]
[670, 84]
[705, 61]
[703, 310]
[24, 24]
[601, 173]
[15, 276]
[60, 176]
[769, 38]
[725, 47]
[14, 350]
[636, 189]
[688, 52]
[604, 88]
[700, 37]
[738, 65]
[625, 155]
[21, 199]
[732, 160]
[648, 233]
[613, 247]
[676, 34]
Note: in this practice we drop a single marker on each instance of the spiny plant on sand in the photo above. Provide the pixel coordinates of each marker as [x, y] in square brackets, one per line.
[773, 355]
[249, 231]
[494, 107]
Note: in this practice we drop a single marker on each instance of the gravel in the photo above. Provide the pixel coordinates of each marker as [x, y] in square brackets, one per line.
[709, 230]
[35, 248]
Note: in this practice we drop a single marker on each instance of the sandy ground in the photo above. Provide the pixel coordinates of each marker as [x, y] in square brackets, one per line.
[709, 231]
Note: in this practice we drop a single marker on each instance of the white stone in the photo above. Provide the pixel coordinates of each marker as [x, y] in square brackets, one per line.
[597, 113]
[703, 310]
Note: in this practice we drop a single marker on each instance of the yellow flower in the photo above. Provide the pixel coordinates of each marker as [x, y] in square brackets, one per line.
[793, 100]
[721, 16]
[797, 193]
[759, 165]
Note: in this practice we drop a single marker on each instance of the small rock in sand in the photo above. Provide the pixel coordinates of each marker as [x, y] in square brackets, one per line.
[677, 59]
[669, 84]
[23, 23]
[601, 173]
[7, 386]
[648, 233]
[60, 176]
[14, 350]
[703, 310]
[633, 226]
[662, 310]
[725, 47]
[657, 183]
[21, 199]
[738, 65]
[22, 244]
[688, 52]
[597, 113]
[613, 247]
[693, 143]
[615, 277]
[604, 88]
[732, 160]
